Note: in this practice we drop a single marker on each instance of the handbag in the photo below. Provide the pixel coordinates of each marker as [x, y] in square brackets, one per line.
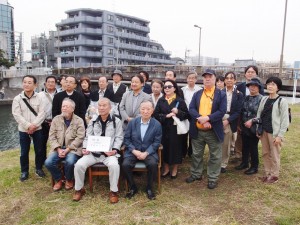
[183, 126]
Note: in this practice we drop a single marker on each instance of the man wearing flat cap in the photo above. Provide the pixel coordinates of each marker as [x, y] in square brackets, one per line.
[207, 109]
[118, 90]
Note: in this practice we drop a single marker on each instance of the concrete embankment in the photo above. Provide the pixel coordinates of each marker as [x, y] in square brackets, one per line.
[9, 95]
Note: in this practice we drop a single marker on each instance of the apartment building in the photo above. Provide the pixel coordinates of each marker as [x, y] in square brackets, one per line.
[93, 38]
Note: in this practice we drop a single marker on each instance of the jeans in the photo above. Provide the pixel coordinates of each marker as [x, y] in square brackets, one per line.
[52, 165]
[25, 147]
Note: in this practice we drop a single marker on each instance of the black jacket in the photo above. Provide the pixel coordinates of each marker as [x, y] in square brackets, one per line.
[94, 96]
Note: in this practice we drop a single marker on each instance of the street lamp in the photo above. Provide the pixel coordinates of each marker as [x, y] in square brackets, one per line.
[282, 46]
[199, 42]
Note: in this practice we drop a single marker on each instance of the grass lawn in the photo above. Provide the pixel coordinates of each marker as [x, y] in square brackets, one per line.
[238, 199]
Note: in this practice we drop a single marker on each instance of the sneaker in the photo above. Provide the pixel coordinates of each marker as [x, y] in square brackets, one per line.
[40, 173]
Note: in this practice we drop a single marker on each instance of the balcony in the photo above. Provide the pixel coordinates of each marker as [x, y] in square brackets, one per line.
[81, 19]
[132, 36]
[79, 54]
[95, 43]
[92, 31]
[141, 48]
[132, 26]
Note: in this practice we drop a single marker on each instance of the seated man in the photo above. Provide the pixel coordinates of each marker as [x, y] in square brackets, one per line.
[142, 139]
[65, 137]
[103, 125]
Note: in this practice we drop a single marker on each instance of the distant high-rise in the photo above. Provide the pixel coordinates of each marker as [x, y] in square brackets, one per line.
[95, 38]
[7, 37]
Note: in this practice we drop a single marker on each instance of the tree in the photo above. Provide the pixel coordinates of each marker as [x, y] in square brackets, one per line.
[3, 61]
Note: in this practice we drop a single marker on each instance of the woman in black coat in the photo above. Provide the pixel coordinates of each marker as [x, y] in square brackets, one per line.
[167, 106]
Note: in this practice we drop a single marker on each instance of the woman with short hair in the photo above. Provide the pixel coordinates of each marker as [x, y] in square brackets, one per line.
[274, 115]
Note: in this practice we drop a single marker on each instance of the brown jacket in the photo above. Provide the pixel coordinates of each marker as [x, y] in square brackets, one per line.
[73, 135]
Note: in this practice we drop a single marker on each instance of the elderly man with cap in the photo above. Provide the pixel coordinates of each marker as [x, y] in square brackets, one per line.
[118, 89]
[207, 109]
[249, 138]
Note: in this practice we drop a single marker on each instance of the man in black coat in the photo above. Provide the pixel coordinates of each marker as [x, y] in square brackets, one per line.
[103, 90]
[69, 92]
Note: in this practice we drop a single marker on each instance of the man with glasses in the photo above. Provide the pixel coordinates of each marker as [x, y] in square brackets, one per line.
[235, 100]
[70, 92]
[207, 109]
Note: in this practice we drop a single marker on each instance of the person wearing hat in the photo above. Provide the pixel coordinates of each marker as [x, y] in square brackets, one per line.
[251, 71]
[118, 89]
[248, 130]
[207, 108]
[273, 112]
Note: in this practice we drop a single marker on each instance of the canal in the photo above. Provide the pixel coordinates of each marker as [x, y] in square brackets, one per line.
[9, 137]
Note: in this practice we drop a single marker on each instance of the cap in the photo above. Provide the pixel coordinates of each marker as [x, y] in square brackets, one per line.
[254, 81]
[209, 71]
[117, 72]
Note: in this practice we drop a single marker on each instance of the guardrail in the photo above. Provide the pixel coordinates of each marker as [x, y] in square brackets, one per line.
[11, 73]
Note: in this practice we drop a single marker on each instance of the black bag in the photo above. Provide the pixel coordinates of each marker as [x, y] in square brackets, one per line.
[259, 127]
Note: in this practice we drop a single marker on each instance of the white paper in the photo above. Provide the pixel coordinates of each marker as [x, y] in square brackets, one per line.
[98, 144]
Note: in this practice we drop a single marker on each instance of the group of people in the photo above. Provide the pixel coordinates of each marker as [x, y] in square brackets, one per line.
[143, 117]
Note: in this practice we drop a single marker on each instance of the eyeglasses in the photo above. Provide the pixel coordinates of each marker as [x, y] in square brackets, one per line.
[168, 86]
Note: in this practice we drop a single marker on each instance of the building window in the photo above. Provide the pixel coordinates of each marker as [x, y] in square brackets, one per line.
[110, 18]
[110, 40]
[110, 62]
[110, 29]
[110, 51]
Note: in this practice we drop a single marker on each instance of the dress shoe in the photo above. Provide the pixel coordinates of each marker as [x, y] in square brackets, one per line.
[150, 194]
[251, 171]
[58, 185]
[192, 179]
[241, 166]
[69, 185]
[272, 180]
[113, 197]
[212, 184]
[40, 173]
[78, 194]
[223, 170]
[24, 176]
[131, 193]
[165, 175]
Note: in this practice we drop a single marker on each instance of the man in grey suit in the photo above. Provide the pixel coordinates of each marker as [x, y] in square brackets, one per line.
[142, 139]
[131, 100]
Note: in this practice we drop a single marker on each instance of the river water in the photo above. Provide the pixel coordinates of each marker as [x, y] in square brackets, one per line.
[9, 137]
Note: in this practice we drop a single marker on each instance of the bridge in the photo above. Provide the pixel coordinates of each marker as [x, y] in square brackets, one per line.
[12, 77]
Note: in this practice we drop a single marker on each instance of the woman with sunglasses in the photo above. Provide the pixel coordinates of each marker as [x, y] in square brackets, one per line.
[167, 106]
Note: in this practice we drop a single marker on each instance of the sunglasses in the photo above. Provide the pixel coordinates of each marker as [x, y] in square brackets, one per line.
[168, 86]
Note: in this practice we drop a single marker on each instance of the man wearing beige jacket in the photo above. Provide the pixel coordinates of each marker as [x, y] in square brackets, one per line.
[65, 137]
[28, 111]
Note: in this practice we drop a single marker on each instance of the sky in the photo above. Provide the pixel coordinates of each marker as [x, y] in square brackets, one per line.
[231, 29]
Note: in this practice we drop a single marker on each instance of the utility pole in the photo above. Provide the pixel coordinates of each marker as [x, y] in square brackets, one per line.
[282, 45]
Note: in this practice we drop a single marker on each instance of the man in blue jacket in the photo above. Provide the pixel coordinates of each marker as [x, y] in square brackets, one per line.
[207, 109]
[142, 139]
